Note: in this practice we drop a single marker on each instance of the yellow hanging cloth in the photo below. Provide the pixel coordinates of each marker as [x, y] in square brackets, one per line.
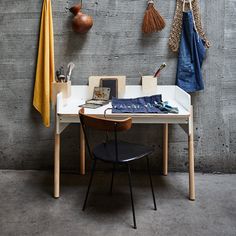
[45, 64]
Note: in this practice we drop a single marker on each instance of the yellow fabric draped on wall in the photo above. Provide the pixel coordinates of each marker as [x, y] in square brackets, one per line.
[45, 64]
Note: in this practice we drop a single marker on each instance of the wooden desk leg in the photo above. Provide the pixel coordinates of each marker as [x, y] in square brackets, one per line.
[82, 152]
[57, 166]
[191, 168]
[165, 149]
[191, 159]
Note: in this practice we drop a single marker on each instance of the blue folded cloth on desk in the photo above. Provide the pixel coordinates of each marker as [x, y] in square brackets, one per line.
[148, 104]
[166, 108]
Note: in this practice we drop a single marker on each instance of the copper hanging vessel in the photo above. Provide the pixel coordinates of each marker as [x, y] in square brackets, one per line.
[81, 22]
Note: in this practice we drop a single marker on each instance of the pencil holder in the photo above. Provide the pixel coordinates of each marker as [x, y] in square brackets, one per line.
[149, 85]
[62, 87]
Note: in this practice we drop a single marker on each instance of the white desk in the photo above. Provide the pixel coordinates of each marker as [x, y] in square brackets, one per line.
[67, 112]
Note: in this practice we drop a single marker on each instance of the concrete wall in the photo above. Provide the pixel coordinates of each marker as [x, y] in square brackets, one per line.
[115, 45]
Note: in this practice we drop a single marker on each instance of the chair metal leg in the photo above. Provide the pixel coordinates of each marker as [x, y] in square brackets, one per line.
[90, 182]
[131, 195]
[150, 178]
[112, 177]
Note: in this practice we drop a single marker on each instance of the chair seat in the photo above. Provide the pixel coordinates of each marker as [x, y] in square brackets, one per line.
[126, 151]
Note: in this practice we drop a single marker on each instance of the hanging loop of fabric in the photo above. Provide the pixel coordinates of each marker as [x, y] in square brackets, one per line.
[191, 9]
[184, 1]
[190, 4]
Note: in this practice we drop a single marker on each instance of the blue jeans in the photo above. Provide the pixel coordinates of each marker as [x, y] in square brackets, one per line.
[191, 54]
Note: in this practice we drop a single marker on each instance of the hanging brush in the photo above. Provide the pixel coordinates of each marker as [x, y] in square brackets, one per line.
[152, 21]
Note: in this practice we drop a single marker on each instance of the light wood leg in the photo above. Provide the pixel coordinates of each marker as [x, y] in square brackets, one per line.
[191, 168]
[82, 152]
[57, 166]
[191, 159]
[165, 149]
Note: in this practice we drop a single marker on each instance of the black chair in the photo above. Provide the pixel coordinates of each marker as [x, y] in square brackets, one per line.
[114, 151]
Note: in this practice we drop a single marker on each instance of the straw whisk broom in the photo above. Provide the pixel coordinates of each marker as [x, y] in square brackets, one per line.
[152, 21]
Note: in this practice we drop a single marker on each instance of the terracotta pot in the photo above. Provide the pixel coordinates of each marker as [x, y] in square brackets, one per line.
[81, 23]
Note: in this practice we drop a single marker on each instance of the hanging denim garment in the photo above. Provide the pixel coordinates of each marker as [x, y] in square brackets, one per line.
[191, 54]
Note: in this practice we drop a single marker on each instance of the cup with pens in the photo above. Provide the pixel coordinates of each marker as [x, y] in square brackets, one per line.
[149, 82]
[60, 74]
[62, 82]
[158, 72]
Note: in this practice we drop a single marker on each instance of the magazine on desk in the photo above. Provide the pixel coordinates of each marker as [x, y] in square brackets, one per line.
[100, 98]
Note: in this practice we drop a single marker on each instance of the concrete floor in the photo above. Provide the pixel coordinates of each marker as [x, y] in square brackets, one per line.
[27, 207]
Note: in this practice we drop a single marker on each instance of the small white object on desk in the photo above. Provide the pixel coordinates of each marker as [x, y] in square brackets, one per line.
[149, 85]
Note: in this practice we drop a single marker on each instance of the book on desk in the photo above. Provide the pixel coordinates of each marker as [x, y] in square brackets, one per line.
[100, 98]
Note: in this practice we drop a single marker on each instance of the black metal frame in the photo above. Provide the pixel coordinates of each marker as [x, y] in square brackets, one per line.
[112, 177]
[113, 172]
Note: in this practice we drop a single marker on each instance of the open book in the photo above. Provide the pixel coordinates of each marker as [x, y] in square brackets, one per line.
[100, 98]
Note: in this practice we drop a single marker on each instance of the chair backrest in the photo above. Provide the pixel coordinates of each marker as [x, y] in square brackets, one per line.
[109, 125]
[103, 124]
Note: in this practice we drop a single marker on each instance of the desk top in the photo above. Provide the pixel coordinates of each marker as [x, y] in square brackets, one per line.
[68, 108]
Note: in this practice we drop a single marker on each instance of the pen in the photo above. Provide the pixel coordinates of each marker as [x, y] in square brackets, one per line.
[162, 66]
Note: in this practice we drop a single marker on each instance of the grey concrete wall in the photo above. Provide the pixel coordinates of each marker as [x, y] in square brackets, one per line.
[115, 45]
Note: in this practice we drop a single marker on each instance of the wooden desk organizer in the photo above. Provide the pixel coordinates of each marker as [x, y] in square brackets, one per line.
[64, 88]
[149, 84]
[94, 81]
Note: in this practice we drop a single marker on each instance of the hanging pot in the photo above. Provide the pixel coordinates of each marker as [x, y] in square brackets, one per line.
[81, 23]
